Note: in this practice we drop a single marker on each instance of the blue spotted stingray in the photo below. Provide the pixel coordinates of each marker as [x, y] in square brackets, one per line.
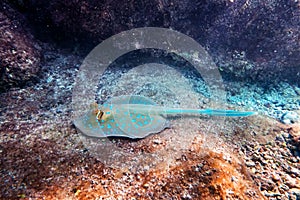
[137, 117]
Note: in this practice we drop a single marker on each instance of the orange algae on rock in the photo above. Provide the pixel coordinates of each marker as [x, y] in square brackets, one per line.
[199, 173]
[209, 177]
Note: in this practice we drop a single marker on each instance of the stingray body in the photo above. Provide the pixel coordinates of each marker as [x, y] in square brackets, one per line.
[136, 117]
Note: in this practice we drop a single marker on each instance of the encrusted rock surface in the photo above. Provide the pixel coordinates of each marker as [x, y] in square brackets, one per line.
[42, 155]
[19, 52]
[258, 40]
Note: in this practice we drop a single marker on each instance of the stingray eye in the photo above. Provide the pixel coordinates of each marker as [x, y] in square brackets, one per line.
[99, 114]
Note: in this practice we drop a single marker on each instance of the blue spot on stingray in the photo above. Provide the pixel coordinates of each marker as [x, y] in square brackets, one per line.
[108, 126]
[140, 123]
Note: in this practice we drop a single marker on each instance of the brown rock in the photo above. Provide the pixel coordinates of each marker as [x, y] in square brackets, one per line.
[275, 177]
[292, 182]
[19, 52]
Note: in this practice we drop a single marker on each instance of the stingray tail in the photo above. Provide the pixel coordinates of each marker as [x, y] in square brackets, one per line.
[227, 113]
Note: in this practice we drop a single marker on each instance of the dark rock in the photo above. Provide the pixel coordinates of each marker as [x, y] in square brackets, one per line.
[267, 184]
[19, 52]
[248, 39]
[258, 39]
[290, 117]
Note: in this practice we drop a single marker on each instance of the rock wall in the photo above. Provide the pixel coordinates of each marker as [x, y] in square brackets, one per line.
[257, 40]
[19, 52]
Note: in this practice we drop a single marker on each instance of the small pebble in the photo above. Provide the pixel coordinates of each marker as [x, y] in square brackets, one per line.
[263, 162]
[256, 157]
[274, 166]
[296, 192]
[267, 157]
[290, 117]
[294, 160]
[279, 138]
[271, 194]
[156, 141]
[297, 90]
[291, 182]
[295, 171]
[250, 164]
[275, 177]
[284, 187]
